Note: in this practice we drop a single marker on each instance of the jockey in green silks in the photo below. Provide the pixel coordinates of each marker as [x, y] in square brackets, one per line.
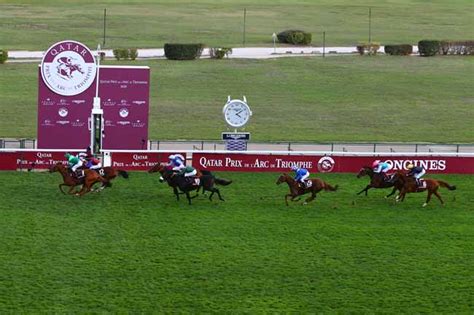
[73, 161]
[188, 171]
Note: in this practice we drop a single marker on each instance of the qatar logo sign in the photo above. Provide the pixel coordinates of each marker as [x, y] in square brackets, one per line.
[326, 164]
[68, 68]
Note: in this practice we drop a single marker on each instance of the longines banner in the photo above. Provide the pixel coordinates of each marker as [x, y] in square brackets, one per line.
[66, 89]
[325, 164]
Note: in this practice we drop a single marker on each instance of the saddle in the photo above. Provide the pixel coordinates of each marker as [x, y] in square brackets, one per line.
[193, 180]
[99, 171]
[420, 183]
[78, 174]
[306, 184]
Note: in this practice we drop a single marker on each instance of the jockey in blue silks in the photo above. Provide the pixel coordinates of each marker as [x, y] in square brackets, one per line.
[381, 168]
[301, 174]
[417, 172]
[176, 161]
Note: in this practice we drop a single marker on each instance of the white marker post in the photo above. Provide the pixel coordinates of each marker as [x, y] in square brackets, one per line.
[97, 119]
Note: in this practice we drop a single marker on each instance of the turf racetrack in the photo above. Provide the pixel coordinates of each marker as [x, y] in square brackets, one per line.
[133, 248]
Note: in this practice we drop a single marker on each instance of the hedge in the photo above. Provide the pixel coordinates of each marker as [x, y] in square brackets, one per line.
[220, 52]
[401, 50]
[3, 56]
[183, 51]
[427, 48]
[368, 49]
[125, 53]
[457, 47]
[294, 37]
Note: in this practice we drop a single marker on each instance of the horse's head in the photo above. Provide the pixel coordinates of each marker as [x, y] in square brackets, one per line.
[56, 167]
[159, 167]
[282, 178]
[364, 171]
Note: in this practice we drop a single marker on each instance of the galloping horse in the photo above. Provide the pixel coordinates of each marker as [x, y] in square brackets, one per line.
[377, 181]
[296, 190]
[189, 184]
[109, 173]
[90, 178]
[430, 185]
[164, 167]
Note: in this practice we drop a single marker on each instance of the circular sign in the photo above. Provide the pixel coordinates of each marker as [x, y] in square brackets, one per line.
[63, 112]
[123, 112]
[326, 164]
[68, 68]
[237, 113]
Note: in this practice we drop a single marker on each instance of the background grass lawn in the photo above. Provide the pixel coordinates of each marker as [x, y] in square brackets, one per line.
[134, 248]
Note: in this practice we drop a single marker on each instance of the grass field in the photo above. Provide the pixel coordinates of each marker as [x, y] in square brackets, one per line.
[135, 249]
[343, 98]
[34, 25]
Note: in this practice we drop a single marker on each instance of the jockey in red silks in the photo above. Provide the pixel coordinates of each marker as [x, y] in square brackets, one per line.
[381, 168]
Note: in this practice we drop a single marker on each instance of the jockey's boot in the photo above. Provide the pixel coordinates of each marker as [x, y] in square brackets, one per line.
[78, 173]
[418, 182]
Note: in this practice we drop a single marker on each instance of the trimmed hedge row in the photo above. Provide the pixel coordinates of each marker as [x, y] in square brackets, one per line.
[400, 50]
[368, 49]
[294, 37]
[3, 56]
[183, 51]
[427, 48]
[125, 53]
[220, 52]
[457, 47]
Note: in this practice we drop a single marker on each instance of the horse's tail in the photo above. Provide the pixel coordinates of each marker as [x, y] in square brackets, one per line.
[122, 173]
[328, 187]
[446, 185]
[222, 181]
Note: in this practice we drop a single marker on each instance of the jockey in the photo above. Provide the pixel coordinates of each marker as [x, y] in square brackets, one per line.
[301, 174]
[417, 172]
[73, 161]
[177, 162]
[381, 168]
[188, 171]
[89, 154]
[93, 164]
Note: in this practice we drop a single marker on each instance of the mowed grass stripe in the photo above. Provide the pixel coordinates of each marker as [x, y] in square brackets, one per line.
[343, 98]
[134, 248]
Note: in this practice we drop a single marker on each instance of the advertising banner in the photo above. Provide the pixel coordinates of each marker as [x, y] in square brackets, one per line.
[8, 161]
[124, 96]
[39, 159]
[140, 161]
[325, 164]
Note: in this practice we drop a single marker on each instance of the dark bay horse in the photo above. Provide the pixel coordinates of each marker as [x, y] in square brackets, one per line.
[429, 185]
[187, 185]
[164, 167]
[90, 178]
[377, 180]
[296, 190]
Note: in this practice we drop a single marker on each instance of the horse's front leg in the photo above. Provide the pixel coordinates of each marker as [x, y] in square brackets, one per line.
[365, 189]
[286, 198]
[189, 197]
[175, 190]
[390, 194]
[310, 198]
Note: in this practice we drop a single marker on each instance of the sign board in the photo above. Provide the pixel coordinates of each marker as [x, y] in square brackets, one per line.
[236, 136]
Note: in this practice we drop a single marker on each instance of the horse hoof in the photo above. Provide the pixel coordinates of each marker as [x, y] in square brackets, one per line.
[424, 205]
[305, 203]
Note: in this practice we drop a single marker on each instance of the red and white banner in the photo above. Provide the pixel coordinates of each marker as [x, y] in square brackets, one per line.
[39, 159]
[140, 161]
[325, 164]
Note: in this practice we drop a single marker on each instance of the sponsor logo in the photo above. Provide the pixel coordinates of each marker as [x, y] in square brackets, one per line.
[63, 112]
[326, 164]
[123, 122]
[138, 157]
[124, 102]
[47, 122]
[68, 68]
[47, 102]
[62, 122]
[139, 102]
[42, 155]
[108, 102]
[123, 112]
[430, 165]
[78, 101]
[138, 124]
[78, 123]
[109, 123]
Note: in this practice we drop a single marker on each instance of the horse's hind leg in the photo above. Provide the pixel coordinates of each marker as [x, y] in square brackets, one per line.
[428, 198]
[437, 194]
[218, 193]
[286, 198]
[189, 197]
[390, 194]
[310, 198]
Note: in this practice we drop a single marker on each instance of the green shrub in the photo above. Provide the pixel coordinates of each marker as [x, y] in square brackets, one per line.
[368, 48]
[219, 53]
[125, 53]
[133, 53]
[294, 37]
[3, 56]
[428, 48]
[183, 51]
[457, 47]
[401, 50]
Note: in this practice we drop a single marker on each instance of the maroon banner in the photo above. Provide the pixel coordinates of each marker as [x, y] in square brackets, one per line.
[39, 159]
[8, 161]
[140, 161]
[124, 96]
[64, 121]
[326, 164]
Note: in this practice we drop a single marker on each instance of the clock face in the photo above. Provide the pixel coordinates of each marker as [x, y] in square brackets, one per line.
[237, 113]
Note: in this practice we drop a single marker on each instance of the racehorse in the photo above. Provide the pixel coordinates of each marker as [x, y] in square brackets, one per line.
[377, 181]
[430, 185]
[164, 167]
[90, 178]
[109, 173]
[296, 190]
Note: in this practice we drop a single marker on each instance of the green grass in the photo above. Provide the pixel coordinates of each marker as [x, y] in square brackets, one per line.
[343, 98]
[35, 25]
[133, 248]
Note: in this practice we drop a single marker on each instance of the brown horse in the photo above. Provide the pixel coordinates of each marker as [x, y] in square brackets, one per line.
[296, 190]
[109, 173]
[377, 180]
[90, 178]
[429, 185]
